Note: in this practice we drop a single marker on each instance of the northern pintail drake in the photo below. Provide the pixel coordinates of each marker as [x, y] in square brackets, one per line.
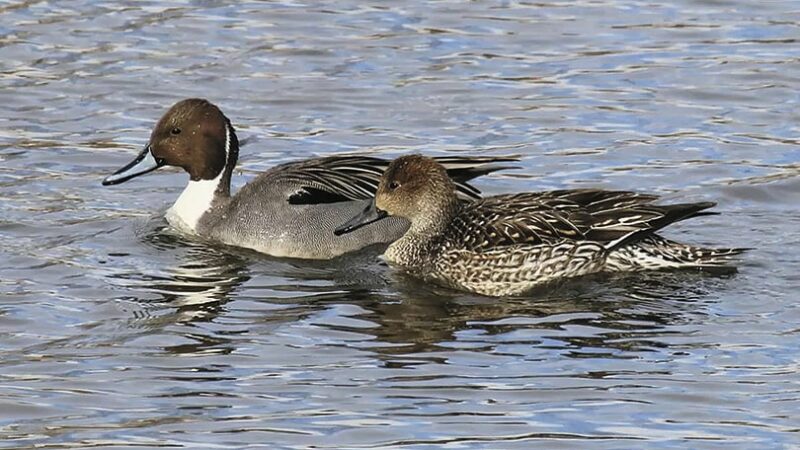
[290, 210]
[508, 244]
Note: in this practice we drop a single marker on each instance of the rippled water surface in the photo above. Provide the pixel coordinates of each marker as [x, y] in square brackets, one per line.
[119, 333]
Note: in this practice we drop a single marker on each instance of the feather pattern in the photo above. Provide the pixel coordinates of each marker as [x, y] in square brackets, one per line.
[343, 178]
[508, 244]
[536, 218]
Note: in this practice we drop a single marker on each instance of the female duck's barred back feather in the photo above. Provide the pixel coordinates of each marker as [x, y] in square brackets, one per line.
[612, 218]
[506, 244]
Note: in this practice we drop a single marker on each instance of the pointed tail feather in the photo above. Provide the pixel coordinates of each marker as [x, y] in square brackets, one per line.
[669, 215]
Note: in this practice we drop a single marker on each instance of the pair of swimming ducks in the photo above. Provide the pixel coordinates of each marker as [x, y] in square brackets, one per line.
[437, 225]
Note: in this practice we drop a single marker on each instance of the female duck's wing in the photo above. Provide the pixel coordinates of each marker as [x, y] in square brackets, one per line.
[506, 220]
[610, 218]
[342, 178]
[617, 217]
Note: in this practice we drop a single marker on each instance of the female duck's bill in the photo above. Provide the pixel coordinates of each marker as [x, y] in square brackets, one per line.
[143, 163]
[370, 214]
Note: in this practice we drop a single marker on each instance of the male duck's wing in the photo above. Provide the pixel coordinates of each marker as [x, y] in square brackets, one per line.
[462, 169]
[332, 179]
[342, 178]
[611, 218]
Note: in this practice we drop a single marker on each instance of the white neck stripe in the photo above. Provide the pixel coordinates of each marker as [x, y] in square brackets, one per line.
[227, 145]
[197, 198]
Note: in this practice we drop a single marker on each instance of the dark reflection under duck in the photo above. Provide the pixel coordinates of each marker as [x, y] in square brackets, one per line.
[622, 314]
[411, 318]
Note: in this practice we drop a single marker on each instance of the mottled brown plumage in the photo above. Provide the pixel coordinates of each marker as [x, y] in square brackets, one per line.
[507, 244]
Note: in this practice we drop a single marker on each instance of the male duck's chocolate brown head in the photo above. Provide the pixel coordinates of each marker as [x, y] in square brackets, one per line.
[193, 135]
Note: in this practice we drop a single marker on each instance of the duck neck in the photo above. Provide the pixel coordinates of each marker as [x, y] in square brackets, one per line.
[223, 188]
[417, 246]
[202, 196]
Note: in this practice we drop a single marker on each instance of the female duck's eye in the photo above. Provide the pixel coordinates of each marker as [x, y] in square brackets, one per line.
[175, 131]
[394, 185]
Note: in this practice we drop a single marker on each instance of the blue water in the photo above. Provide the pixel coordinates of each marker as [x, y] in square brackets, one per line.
[118, 332]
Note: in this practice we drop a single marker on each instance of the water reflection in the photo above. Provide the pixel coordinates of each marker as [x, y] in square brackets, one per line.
[201, 278]
[624, 314]
[116, 338]
[612, 317]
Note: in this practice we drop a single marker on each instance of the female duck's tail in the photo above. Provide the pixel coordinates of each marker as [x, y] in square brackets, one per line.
[655, 252]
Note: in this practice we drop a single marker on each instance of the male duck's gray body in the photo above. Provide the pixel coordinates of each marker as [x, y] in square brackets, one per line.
[290, 210]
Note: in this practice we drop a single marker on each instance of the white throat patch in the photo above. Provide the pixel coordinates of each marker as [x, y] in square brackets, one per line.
[196, 198]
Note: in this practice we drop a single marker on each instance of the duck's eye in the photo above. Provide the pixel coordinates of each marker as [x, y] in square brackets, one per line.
[394, 185]
[175, 131]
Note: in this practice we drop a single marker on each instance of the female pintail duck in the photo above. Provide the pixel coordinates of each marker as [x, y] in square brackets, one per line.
[290, 210]
[507, 244]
